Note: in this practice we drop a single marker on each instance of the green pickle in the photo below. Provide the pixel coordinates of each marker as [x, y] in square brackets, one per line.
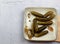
[37, 14]
[41, 33]
[40, 29]
[44, 23]
[34, 26]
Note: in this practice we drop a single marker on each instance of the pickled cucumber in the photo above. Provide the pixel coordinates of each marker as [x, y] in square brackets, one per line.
[41, 33]
[44, 23]
[34, 26]
[40, 29]
[37, 14]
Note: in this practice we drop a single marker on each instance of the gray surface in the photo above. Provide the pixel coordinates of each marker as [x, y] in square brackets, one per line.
[11, 19]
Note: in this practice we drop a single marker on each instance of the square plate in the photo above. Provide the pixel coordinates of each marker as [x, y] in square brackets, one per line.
[28, 20]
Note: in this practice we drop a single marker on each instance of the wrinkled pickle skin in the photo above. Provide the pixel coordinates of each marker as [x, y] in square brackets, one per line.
[44, 23]
[36, 14]
[46, 19]
[40, 29]
[41, 33]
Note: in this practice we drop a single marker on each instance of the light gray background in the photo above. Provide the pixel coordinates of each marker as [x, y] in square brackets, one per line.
[11, 19]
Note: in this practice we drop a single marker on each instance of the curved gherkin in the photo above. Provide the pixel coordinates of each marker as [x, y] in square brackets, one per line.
[37, 14]
[41, 33]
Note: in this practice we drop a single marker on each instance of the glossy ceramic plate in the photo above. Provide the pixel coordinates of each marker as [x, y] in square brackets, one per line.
[28, 20]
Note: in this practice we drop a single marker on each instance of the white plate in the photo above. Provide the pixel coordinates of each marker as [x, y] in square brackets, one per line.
[48, 37]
